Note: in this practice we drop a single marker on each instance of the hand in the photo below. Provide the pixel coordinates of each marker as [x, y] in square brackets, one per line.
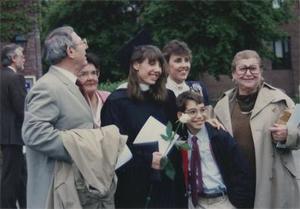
[215, 123]
[279, 133]
[156, 157]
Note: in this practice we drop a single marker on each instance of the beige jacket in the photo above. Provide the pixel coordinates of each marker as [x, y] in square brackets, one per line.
[94, 153]
[276, 175]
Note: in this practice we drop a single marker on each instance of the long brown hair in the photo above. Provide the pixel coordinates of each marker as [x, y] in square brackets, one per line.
[157, 91]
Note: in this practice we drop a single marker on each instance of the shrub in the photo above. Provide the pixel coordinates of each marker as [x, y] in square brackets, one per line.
[110, 86]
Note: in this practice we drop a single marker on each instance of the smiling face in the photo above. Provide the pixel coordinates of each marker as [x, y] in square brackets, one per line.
[197, 113]
[248, 75]
[148, 71]
[179, 67]
[88, 76]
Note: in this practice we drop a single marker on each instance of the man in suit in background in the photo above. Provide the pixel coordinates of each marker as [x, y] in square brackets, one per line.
[53, 105]
[12, 92]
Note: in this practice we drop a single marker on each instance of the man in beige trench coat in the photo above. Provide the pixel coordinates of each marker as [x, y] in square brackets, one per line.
[249, 112]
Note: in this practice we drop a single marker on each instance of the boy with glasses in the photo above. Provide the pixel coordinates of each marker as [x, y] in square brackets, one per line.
[216, 174]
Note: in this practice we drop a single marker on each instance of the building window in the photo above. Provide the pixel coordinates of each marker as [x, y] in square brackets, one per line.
[282, 54]
[276, 4]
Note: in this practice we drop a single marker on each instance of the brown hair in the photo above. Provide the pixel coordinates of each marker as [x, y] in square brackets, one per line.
[245, 54]
[185, 96]
[176, 47]
[157, 91]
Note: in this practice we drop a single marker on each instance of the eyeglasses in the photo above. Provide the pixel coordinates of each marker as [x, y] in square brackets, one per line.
[83, 41]
[85, 74]
[254, 69]
[194, 112]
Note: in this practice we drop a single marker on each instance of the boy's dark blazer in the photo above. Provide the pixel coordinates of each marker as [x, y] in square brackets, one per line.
[233, 167]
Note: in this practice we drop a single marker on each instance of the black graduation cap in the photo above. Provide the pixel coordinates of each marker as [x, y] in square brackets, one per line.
[143, 37]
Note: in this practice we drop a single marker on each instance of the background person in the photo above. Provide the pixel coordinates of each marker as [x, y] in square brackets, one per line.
[89, 78]
[179, 58]
[129, 108]
[248, 111]
[13, 92]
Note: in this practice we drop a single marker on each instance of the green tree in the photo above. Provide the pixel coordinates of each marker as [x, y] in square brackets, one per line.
[105, 24]
[16, 17]
[215, 30]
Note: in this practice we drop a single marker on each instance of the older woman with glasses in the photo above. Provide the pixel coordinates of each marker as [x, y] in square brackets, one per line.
[89, 78]
[250, 112]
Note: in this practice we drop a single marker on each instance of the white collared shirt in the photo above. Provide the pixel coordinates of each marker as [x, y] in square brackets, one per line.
[66, 73]
[211, 176]
[123, 85]
[144, 87]
[175, 87]
[10, 67]
[97, 114]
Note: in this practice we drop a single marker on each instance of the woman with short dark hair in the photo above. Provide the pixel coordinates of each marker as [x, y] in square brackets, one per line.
[179, 57]
[89, 79]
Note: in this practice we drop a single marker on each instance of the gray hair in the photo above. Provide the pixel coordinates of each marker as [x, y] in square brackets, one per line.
[246, 54]
[8, 52]
[56, 44]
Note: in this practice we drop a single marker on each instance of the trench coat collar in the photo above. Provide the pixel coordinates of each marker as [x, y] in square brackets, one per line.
[266, 95]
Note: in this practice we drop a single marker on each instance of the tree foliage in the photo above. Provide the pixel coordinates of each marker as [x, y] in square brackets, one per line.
[214, 30]
[105, 24]
[16, 18]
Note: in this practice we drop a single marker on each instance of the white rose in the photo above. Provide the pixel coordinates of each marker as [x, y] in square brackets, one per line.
[184, 118]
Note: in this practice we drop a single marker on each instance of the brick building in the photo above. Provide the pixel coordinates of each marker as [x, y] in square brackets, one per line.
[31, 44]
[284, 75]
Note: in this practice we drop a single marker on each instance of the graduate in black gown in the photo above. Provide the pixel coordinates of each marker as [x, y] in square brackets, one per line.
[129, 108]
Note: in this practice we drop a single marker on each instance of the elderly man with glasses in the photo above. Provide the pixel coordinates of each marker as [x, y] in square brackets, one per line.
[67, 167]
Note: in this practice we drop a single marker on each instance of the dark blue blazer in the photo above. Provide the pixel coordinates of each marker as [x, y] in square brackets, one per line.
[233, 167]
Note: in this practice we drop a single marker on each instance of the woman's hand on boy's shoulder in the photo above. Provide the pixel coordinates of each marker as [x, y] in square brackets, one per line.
[215, 123]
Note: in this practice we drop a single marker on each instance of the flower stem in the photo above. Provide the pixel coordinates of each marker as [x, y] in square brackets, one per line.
[171, 142]
[148, 198]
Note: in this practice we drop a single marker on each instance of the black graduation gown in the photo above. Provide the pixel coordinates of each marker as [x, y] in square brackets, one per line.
[136, 177]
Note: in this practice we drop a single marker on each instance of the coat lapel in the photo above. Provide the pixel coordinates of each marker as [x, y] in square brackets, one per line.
[70, 86]
[264, 98]
[222, 111]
